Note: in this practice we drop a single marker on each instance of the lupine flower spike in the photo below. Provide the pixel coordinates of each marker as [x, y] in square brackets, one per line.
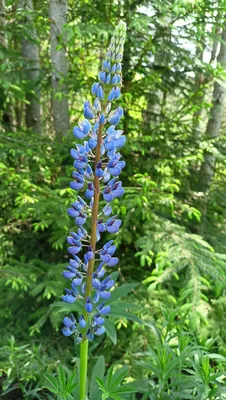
[97, 163]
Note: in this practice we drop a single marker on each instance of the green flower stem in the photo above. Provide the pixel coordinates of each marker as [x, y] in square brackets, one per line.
[84, 344]
[83, 368]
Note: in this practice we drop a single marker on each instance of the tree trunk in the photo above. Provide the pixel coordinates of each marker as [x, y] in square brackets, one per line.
[153, 115]
[30, 52]
[200, 79]
[57, 13]
[2, 23]
[214, 122]
[8, 122]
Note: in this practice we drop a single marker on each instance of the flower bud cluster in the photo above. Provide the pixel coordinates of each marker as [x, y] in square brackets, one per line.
[97, 163]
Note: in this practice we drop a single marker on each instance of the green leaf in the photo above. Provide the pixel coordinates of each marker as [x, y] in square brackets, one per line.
[119, 376]
[114, 275]
[52, 383]
[61, 377]
[72, 384]
[109, 378]
[111, 331]
[119, 313]
[77, 306]
[124, 389]
[98, 371]
[121, 291]
[100, 384]
[214, 356]
[115, 396]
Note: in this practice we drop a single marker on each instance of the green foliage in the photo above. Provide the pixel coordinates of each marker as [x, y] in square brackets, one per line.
[21, 367]
[183, 257]
[182, 373]
[64, 385]
[112, 386]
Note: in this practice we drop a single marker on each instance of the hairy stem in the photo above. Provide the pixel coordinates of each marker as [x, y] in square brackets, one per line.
[84, 344]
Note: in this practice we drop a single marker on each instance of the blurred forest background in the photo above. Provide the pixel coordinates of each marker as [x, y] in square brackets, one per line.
[172, 244]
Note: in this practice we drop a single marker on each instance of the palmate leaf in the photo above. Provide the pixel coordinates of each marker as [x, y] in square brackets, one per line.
[112, 386]
[65, 383]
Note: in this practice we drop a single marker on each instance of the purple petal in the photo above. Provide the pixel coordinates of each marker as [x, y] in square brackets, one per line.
[107, 210]
[68, 322]
[105, 295]
[110, 284]
[106, 258]
[111, 250]
[100, 331]
[79, 164]
[99, 320]
[73, 213]
[68, 275]
[76, 185]
[74, 263]
[66, 331]
[113, 262]
[118, 193]
[104, 310]
[111, 95]
[92, 143]
[78, 133]
[73, 250]
[68, 298]
[76, 282]
[85, 126]
[121, 164]
[100, 227]
[108, 197]
[88, 113]
[114, 119]
[113, 228]
[96, 297]
[95, 88]
[115, 171]
[82, 322]
[80, 221]
[120, 142]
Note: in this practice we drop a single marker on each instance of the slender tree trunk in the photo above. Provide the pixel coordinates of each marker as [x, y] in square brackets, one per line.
[30, 52]
[57, 13]
[8, 112]
[3, 43]
[199, 92]
[2, 23]
[214, 122]
[201, 80]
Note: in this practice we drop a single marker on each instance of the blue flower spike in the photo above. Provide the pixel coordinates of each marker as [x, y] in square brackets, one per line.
[97, 165]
